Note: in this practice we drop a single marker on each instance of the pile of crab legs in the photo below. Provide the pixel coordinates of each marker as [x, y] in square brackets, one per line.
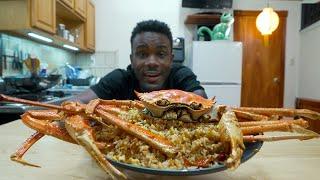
[71, 122]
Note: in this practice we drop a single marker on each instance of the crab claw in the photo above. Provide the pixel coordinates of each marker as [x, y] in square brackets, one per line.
[232, 135]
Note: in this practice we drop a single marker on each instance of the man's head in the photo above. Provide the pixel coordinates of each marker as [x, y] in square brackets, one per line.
[151, 54]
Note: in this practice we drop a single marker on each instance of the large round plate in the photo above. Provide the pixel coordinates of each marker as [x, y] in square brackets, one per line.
[251, 150]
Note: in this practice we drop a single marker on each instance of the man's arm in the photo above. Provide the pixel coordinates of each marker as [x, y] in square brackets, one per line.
[185, 79]
[85, 96]
[201, 92]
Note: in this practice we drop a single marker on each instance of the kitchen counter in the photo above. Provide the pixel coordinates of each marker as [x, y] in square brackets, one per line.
[73, 90]
[290, 159]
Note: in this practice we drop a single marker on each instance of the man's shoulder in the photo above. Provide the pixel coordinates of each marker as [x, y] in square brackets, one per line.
[180, 69]
[118, 73]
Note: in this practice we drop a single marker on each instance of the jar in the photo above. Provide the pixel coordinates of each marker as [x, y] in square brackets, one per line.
[66, 34]
[61, 28]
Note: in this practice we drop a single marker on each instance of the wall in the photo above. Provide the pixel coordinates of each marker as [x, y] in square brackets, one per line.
[309, 71]
[115, 20]
[52, 56]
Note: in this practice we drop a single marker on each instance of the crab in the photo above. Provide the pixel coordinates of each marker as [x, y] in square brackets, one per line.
[72, 122]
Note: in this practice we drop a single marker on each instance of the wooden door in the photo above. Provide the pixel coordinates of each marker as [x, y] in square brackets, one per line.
[90, 26]
[81, 7]
[43, 15]
[263, 65]
[69, 3]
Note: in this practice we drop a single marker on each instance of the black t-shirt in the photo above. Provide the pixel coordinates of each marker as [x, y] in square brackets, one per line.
[120, 84]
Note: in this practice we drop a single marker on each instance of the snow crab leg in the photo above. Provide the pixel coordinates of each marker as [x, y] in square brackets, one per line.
[109, 110]
[75, 130]
[281, 112]
[231, 134]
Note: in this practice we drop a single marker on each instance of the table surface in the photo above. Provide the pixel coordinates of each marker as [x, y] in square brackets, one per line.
[292, 159]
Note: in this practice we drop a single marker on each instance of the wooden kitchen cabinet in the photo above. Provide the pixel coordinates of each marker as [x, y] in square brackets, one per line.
[43, 15]
[28, 14]
[69, 3]
[80, 7]
[90, 26]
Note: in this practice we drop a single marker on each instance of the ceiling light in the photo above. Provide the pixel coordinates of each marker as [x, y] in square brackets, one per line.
[71, 47]
[267, 21]
[42, 38]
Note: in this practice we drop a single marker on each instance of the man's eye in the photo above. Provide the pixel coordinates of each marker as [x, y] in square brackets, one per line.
[141, 54]
[162, 54]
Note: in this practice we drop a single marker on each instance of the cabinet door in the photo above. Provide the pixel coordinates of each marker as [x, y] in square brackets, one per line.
[81, 7]
[43, 15]
[69, 3]
[90, 26]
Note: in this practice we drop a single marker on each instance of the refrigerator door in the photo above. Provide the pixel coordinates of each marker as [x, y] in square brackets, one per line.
[226, 94]
[217, 61]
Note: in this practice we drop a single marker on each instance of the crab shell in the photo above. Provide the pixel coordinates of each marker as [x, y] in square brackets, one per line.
[177, 98]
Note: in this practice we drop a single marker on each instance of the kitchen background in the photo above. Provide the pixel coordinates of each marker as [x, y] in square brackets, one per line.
[114, 21]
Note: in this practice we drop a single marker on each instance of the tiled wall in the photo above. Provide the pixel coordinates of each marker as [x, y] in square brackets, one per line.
[100, 63]
[52, 56]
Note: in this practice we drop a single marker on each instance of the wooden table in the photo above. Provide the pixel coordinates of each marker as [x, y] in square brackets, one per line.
[291, 159]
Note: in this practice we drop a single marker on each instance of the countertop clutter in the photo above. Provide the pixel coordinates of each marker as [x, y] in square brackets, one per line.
[290, 159]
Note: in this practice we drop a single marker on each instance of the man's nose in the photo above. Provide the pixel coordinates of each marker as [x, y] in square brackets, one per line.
[152, 61]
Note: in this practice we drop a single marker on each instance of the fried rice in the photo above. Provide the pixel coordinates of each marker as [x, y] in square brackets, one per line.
[196, 143]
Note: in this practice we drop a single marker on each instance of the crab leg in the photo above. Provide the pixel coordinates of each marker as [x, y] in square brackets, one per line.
[250, 116]
[128, 103]
[286, 127]
[300, 122]
[33, 103]
[154, 140]
[109, 113]
[282, 112]
[230, 132]
[267, 128]
[17, 156]
[43, 127]
[55, 129]
[305, 134]
[80, 131]
[253, 138]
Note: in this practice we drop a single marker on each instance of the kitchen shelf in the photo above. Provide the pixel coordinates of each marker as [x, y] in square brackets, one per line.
[208, 19]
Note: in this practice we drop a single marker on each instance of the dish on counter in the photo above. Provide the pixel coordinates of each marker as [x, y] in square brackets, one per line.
[199, 145]
[250, 151]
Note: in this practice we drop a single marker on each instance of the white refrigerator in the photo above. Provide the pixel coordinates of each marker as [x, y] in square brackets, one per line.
[218, 66]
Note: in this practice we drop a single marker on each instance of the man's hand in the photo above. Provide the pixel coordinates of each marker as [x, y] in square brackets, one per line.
[201, 92]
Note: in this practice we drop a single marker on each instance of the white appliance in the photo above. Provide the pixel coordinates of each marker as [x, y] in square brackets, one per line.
[218, 66]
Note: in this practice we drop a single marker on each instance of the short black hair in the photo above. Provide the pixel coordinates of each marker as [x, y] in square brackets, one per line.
[151, 26]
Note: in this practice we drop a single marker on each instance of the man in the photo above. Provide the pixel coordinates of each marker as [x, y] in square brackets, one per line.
[151, 68]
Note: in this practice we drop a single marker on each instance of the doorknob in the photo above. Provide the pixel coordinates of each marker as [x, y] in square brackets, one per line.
[275, 80]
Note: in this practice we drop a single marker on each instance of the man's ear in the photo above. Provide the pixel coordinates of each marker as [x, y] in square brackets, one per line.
[131, 58]
[172, 56]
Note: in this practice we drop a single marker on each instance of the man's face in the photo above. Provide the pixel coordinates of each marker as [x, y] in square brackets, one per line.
[151, 60]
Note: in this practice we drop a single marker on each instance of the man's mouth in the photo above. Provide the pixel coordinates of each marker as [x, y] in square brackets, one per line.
[151, 77]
